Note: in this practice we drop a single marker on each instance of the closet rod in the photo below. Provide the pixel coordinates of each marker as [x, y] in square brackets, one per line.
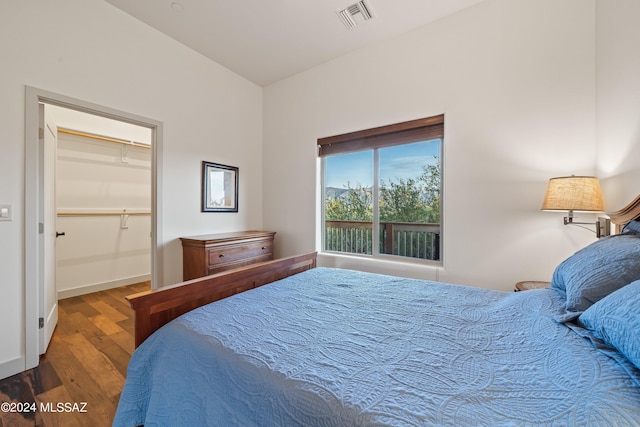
[103, 213]
[104, 138]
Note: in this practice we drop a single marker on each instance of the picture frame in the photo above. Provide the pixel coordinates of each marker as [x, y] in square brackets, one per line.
[219, 188]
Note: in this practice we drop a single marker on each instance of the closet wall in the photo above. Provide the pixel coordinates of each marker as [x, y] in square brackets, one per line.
[103, 201]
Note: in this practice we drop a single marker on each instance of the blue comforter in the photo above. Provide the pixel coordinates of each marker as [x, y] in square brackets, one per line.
[332, 347]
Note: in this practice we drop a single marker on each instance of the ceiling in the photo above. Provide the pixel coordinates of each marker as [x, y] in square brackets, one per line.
[268, 40]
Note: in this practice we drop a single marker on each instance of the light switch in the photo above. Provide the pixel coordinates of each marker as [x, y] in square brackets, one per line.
[5, 213]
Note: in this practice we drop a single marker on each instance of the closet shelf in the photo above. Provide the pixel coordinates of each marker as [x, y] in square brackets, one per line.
[102, 213]
[104, 138]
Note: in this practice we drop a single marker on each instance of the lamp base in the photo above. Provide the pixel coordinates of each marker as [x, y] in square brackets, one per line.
[603, 225]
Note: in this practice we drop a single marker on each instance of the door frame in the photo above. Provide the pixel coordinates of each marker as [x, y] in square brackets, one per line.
[32, 264]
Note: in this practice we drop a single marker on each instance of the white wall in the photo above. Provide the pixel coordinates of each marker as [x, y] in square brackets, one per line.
[89, 50]
[618, 100]
[515, 80]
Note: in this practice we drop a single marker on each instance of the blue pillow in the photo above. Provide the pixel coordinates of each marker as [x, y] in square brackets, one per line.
[615, 320]
[632, 227]
[594, 272]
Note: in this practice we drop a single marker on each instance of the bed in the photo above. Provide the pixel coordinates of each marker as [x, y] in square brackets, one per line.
[331, 347]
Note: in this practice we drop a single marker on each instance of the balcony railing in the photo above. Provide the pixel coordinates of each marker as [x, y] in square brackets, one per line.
[396, 238]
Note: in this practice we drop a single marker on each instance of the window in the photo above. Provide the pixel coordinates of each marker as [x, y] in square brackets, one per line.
[382, 189]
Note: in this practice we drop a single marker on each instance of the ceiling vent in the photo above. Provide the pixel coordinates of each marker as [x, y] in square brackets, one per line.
[355, 14]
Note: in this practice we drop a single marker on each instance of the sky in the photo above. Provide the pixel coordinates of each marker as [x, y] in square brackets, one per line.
[402, 161]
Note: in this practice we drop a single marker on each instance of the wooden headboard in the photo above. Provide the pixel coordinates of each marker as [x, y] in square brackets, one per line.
[155, 308]
[628, 213]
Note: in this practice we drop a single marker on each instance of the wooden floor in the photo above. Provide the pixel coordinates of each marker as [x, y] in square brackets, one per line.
[85, 362]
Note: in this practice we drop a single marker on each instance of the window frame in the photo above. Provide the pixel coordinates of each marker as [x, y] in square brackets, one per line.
[425, 129]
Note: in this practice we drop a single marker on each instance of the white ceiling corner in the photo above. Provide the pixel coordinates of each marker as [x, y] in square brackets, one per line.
[266, 41]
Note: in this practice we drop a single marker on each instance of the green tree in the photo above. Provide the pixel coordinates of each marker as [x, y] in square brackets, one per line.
[403, 201]
[431, 179]
[412, 200]
[355, 204]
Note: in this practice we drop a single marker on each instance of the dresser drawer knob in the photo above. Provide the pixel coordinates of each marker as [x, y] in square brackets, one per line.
[263, 248]
[221, 255]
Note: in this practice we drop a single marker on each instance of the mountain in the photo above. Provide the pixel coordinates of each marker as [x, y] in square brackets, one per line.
[334, 192]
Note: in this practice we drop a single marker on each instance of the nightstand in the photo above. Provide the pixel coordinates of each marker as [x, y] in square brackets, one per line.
[531, 284]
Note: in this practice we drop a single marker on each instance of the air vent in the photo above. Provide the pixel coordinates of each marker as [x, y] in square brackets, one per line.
[355, 14]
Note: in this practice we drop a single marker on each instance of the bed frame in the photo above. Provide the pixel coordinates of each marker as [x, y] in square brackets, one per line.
[626, 214]
[155, 308]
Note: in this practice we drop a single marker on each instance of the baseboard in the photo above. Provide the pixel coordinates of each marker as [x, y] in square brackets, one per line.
[11, 367]
[96, 287]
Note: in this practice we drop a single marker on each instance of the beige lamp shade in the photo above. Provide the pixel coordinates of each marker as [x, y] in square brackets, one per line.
[573, 193]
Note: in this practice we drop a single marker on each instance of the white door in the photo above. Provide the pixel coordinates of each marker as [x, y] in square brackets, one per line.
[48, 298]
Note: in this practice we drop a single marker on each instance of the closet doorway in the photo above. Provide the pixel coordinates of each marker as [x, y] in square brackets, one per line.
[102, 201]
[92, 198]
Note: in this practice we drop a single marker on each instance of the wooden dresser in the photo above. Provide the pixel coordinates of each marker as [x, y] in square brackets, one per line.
[213, 253]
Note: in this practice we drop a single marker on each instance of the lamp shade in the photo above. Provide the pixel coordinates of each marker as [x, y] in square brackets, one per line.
[573, 193]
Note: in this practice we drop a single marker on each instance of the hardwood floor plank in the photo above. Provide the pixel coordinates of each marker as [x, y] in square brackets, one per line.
[125, 340]
[108, 310]
[78, 305]
[78, 323]
[12, 419]
[102, 370]
[42, 378]
[118, 356]
[127, 290]
[17, 390]
[127, 324]
[80, 385]
[51, 399]
[116, 302]
[86, 362]
[106, 325]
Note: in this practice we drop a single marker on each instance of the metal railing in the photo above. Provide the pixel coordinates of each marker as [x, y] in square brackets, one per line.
[396, 238]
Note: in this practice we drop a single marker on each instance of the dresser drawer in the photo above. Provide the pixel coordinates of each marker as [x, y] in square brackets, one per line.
[213, 253]
[227, 254]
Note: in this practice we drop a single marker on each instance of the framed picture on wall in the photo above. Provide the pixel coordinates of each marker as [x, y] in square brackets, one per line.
[219, 188]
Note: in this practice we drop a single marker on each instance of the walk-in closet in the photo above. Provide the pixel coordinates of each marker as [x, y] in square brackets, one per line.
[103, 203]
